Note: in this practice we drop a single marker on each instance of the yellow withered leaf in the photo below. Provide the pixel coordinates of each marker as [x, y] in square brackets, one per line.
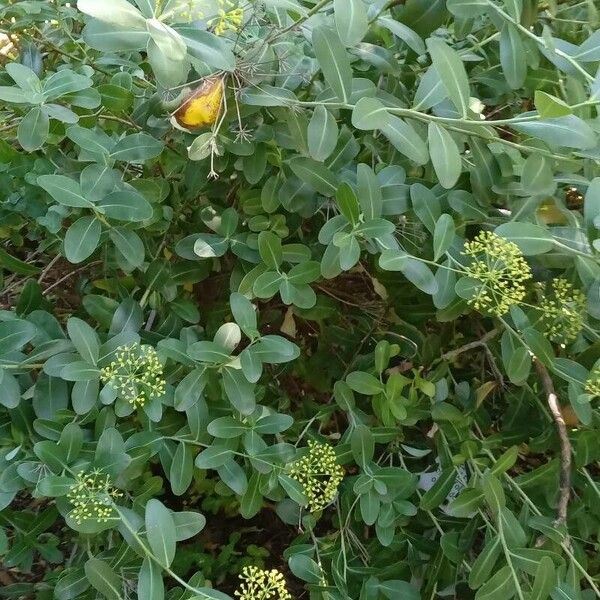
[203, 106]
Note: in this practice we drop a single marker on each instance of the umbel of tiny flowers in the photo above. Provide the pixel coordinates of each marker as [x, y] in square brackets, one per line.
[563, 310]
[319, 475]
[229, 18]
[262, 584]
[498, 265]
[135, 374]
[92, 497]
[592, 384]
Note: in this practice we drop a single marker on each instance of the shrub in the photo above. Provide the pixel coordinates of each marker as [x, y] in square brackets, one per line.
[300, 299]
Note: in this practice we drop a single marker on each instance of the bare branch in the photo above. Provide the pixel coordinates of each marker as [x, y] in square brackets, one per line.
[566, 449]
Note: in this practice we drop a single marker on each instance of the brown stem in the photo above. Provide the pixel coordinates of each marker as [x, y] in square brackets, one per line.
[566, 449]
[482, 343]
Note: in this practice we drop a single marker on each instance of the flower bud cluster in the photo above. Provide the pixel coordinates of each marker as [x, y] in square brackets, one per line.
[501, 269]
[319, 474]
[229, 18]
[592, 385]
[136, 374]
[563, 310]
[92, 497]
[262, 584]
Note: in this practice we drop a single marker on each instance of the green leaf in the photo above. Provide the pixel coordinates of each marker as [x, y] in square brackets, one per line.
[333, 60]
[206, 351]
[91, 140]
[500, 587]
[244, 313]
[24, 77]
[305, 568]
[369, 192]
[64, 190]
[85, 339]
[433, 497]
[114, 37]
[207, 47]
[369, 113]
[182, 466]
[451, 71]
[269, 247]
[417, 272]
[431, 90]
[493, 492]
[187, 524]
[348, 203]
[396, 589]
[233, 476]
[115, 12]
[104, 579]
[467, 9]
[116, 98]
[72, 584]
[506, 461]
[65, 82]
[589, 50]
[512, 51]
[350, 20]
[126, 205]
[33, 130]
[150, 584]
[568, 131]
[406, 140]
[466, 503]
[537, 177]
[160, 531]
[14, 265]
[362, 445]
[268, 95]
[239, 391]
[443, 235]
[322, 133]
[364, 383]
[226, 428]
[549, 106]
[82, 239]
[405, 33]
[531, 239]
[591, 203]
[545, 579]
[315, 174]
[15, 95]
[14, 334]
[445, 155]
[484, 563]
[251, 501]
[137, 147]
[129, 244]
[212, 457]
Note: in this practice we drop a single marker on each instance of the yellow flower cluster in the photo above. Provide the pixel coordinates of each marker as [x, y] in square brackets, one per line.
[592, 385]
[262, 584]
[229, 18]
[186, 10]
[319, 474]
[136, 374]
[563, 309]
[92, 496]
[501, 269]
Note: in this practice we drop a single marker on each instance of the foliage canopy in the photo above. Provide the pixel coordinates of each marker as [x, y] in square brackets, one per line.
[300, 299]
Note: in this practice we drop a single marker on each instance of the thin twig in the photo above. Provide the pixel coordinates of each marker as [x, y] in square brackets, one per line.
[566, 449]
[68, 275]
[482, 343]
[48, 267]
